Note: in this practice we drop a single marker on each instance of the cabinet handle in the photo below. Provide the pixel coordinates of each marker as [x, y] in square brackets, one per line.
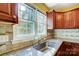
[14, 16]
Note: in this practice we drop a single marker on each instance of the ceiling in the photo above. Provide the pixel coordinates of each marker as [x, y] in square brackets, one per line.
[61, 7]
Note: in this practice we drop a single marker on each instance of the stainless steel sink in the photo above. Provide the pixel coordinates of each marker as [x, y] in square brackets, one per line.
[40, 46]
[46, 44]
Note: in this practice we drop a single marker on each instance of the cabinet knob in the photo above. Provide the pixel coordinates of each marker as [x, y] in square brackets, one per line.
[14, 16]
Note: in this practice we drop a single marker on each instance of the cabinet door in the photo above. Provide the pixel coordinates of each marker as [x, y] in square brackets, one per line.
[77, 18]
[67, 19]
[59, 20]
[72, 19]
[8, 12]
[50, 20]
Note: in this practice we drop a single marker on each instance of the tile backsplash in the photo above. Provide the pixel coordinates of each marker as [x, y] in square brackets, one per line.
[5, 32]
[67, 33]
[3, 38]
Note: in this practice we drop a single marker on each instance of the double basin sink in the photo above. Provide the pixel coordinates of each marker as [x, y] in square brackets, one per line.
[40, 46]
[44, 45]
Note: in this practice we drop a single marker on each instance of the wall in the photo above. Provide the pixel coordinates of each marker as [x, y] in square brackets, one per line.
[67, 8]
[17, 36]
[6, 30]
[6, 35]
[42, 7]
[6, 38]
[16, 45]
[67, 33]
[71, 8]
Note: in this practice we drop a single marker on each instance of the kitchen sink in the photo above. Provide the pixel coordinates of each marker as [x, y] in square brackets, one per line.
[40, 46]
[47, 45]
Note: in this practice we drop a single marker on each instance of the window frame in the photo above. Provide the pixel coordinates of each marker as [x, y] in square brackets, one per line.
[35, 24]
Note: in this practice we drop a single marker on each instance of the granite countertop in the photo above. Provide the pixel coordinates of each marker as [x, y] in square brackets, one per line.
[53, 46]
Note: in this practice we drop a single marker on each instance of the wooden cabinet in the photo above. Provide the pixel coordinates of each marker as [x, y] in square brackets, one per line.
[77, 18]
[64, 20]
[51, 20]
[67, 19]
[8, 12]
[70, 18]
[59, 20]
[68, 49]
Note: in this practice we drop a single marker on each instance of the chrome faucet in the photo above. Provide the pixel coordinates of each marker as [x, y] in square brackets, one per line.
[40, 40]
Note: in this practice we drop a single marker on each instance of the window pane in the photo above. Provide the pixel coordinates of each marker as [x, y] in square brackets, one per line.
[41, 20]
[40, 17]
[40, 28]
[26, 14]
[25, 28]
[33, 14]
[30, 27]
[22, 12]
[21, 28]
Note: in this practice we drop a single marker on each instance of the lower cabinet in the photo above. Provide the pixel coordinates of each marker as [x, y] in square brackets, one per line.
[68, 49]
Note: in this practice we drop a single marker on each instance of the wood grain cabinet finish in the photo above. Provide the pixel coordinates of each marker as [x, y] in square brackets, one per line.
[68, 49]
[59, 20]
[66, 20]
[77, 18]
[70, 19]
[51, 19]
[8, 12]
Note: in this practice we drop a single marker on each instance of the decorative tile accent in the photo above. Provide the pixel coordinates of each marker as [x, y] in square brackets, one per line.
[67, 33]
[6, 31]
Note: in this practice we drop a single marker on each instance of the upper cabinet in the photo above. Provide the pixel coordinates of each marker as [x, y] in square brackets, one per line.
[8, 12]
[59, 20]
[65, 20]
[51, 19]
[70, 18]
[77, 18]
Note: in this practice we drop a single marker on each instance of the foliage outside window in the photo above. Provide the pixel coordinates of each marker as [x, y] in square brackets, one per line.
[30, 21]
[41, 20]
